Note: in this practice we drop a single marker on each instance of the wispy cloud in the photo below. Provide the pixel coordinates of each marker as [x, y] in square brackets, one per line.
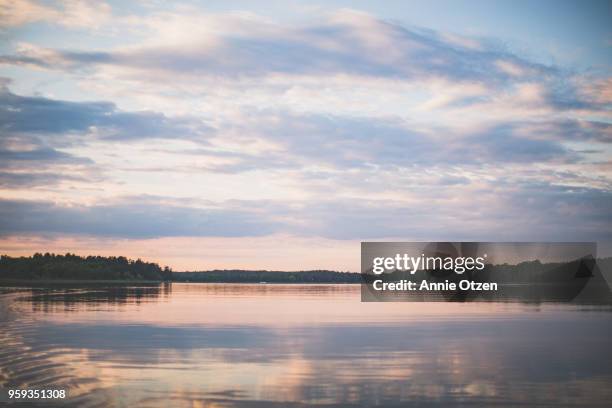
[68, 13]
[344, 42]
[338, 126]
[510, 211]
[44, 116]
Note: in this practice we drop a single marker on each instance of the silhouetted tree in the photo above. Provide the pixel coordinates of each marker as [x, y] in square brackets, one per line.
[71, 266]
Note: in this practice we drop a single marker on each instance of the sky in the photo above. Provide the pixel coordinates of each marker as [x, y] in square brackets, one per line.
[279, 135]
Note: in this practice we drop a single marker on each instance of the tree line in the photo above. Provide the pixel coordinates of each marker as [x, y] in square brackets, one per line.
[74, 267]
[51, 266]
[245, 276]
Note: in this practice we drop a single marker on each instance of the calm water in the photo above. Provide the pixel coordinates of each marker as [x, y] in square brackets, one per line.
[209, 345]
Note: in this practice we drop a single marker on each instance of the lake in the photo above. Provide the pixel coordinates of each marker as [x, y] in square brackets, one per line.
[243, 345]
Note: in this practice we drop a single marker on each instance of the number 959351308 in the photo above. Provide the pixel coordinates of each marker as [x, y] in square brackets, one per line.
[19, 394]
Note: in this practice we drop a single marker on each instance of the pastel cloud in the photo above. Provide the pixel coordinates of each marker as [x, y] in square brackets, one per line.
[509, 210]
[344, 127]
[69, 13]
[346, 41]
[38, 115]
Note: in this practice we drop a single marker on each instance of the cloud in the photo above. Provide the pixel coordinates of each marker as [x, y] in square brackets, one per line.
[345, 126]
[26, 162]
[14, 180]
[19, 12]
[38, 155]
[331, 143]
[37, 131]
[136, 218]
[344, 62]
[39, 115]
[347, 42]
[502, 144]
[353, 142]
[38, 128]
[71, 13]
[456, 211]
[292, 140]
[597, 89]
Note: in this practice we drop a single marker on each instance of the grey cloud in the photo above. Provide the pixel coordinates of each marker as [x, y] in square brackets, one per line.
[38, 165]
[39, 115]
[349, 142]
[521, 212]
[38, 155]
[580, 130]
[340, 141]
[344, 143]
[24, 60]
[136, 218]
[515, 211]
[35, 129]
[501, 144]
[453, 180]
[564, 205]
[34, 179]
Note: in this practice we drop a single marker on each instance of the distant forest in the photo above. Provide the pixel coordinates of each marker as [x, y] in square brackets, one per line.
[237, 275]
[74, 267]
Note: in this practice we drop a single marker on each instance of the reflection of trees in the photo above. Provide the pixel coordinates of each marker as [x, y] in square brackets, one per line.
[78, 298]
[247, 276]
[249, 289]
[544, 359]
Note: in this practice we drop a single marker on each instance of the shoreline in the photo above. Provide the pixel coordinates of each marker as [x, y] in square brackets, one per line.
[93, 281]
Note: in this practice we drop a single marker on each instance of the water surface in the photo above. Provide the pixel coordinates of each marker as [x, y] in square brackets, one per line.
[233, 345]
